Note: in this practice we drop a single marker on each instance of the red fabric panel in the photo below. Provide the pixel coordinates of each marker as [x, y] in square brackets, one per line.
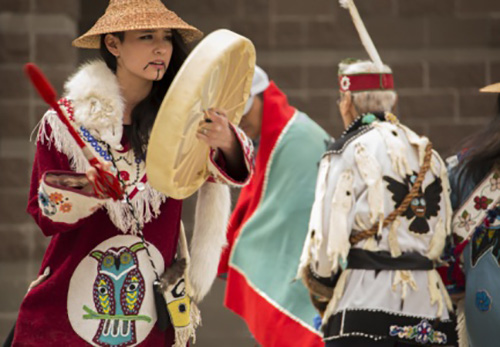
[276, 114]
[263, 318]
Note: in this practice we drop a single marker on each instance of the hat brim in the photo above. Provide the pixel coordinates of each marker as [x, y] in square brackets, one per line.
[159, 18]
[492, 88]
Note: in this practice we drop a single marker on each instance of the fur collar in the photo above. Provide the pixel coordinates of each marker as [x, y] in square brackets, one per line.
[97, 100]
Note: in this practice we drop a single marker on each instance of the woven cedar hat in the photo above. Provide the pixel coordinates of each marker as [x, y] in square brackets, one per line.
[125, 15]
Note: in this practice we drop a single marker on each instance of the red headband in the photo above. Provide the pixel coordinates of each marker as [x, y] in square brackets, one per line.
[366, 82]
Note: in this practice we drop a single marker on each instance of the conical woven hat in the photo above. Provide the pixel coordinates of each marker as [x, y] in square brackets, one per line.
[125, 15]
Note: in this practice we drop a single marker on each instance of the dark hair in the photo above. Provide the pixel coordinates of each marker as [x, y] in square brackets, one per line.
[144, 114]
[481, 151]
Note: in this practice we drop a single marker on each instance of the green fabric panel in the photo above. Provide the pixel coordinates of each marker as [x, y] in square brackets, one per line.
[269, 247]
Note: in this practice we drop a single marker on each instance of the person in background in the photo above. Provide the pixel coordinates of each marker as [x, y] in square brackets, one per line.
[474, 178]
[378, 225]
[269, 222]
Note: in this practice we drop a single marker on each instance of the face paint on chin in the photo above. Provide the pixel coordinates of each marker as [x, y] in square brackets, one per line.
[158, 70]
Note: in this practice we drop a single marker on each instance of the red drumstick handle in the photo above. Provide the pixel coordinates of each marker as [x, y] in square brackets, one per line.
[105, 184]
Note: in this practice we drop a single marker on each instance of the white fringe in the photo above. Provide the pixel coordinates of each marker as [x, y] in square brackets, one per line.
[371, 173]
[405, 279]
[146, 203]
[396, 148]
[316, 220]
[438, 293]
[312, 244]
[445, 183]
[339, 230]
[420, 142]
[213, 209]
[337, 295]
[305, 256]
[463, 338]
[438, 240]
[183, 334]
[371, 245]
[393, 238]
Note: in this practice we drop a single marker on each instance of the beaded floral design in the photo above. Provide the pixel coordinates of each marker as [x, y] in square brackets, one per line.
[472, 213]
[422, 333]
[483, 300]
[481, 202]
[49, 208]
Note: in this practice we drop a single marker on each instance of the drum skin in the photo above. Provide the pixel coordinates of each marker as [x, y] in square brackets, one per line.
[218, 73]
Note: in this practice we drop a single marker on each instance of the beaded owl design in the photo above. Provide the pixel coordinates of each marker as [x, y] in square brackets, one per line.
[118, 293]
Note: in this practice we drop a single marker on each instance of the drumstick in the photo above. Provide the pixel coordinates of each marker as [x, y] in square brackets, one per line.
[105, 184]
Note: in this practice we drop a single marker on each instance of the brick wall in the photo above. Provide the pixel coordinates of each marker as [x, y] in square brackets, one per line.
[442, 51]
[39, 31]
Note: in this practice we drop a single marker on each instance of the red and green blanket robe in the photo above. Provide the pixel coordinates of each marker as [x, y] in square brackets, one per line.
[268, 227]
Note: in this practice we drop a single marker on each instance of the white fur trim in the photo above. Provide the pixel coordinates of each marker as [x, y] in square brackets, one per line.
[81, 87]
[97, 101]
[213, 209]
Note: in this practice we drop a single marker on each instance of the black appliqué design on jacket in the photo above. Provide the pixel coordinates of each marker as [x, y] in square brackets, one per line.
[422, 207]
[484, 240]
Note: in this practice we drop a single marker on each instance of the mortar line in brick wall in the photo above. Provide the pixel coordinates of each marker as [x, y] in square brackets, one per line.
[456, 106]
[240, 9]
[309, 18]
[395, 7]
[488, 72]
[426, 75]
[303, 72]
[287, 57]
[427, 32]
[272, 26]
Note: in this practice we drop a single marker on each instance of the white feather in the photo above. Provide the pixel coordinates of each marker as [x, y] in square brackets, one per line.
[344, 3]
[363, 33]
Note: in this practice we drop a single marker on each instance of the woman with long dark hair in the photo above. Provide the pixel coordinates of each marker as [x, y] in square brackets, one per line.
[474, 179]
[95, 284]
